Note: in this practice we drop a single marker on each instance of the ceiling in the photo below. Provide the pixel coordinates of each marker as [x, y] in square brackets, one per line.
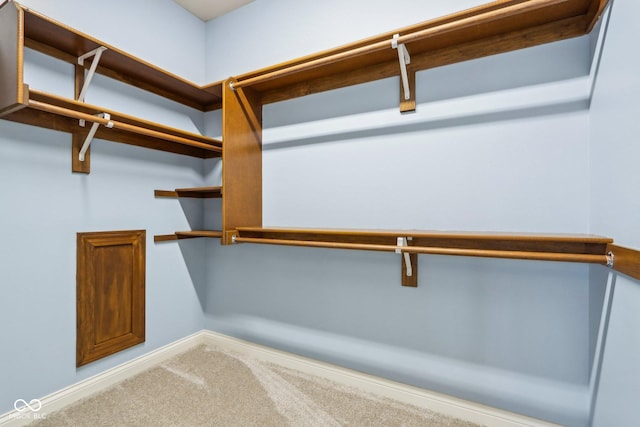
[209, 9]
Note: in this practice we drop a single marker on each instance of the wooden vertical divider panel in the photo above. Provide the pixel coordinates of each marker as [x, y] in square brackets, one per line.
[408, 105]
[626, 260]
[241, 159]
[12, 89]
[110, 293]
[410, 281]
[78, 137]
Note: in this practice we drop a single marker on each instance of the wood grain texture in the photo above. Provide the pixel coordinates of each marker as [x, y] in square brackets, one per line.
[62, 114]
[196, 192]
[409, 281]
[627, 260]
[78, 137]
[408, 105]
[55, 38]
[164, 238]
[193, 234]
[464, 51]
[131, 125]
[596, 8]
[11, 58]
[241, 159]
[551, 247]
[110, 293]
[493, 28]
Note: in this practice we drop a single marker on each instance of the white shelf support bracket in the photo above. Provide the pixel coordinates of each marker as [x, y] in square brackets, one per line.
[92, 133]
[611, 258]
[97, 54]
[404, 59]
[402, 241]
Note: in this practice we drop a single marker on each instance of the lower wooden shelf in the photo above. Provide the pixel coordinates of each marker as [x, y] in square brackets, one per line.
[197, 192]
[62, 114]
[178, 235]
[543, 247]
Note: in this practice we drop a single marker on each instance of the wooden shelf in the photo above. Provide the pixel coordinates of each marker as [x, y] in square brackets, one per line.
[62, 114]
[200, 193]
[179, 235]
[196, 192]
[497, 27]
[549, 247]
[493, 28]
[58, 40]
[22, 28]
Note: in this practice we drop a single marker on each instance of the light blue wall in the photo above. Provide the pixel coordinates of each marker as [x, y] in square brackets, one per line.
[44, 205]
[498, 144]
[158, 31]
[504, 143]
[265, 33]
[616, 207]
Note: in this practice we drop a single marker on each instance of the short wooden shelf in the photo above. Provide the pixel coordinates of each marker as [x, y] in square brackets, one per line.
[195, 192]
[199, 192]
[179, 235]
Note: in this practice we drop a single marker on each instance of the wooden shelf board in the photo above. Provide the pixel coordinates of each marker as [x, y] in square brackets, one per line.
[453, 235]
[626, 260]
[199, 192]
[493, 28]
[63, 123]
[56, 39]
[193, 234]
[573, 247]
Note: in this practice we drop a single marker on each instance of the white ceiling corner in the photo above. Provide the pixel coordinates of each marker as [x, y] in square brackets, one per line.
[209, 9]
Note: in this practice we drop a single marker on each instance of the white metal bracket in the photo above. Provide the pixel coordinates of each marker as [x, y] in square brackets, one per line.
[92, 133]
[97, 54]
[402, 241]
[403, 58]
[611, 258]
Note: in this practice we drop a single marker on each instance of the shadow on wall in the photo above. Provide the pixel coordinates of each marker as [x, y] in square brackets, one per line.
[194, 255]
[564, 60]
[506, 333]
[426, 125]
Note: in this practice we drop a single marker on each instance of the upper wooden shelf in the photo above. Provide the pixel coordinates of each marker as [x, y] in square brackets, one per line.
[56, 39]
[21, 27]
[497, 27]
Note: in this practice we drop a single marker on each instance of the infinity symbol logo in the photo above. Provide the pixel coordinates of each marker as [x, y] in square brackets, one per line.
[21, 405]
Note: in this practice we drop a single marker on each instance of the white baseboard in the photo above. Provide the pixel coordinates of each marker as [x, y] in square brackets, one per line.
[68, 395]
[437, 402]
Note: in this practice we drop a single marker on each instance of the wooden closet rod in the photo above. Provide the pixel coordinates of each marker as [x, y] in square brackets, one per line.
[485, 253]
[519, 8]
[119, 125]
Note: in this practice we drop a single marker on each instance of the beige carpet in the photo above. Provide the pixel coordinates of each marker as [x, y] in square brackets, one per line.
[211, 387]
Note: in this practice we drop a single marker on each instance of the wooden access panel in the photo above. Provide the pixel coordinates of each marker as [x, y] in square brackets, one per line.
[110, 293]
[241, 159]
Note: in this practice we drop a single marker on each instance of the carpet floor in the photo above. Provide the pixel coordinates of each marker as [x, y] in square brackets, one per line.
[208, 386]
